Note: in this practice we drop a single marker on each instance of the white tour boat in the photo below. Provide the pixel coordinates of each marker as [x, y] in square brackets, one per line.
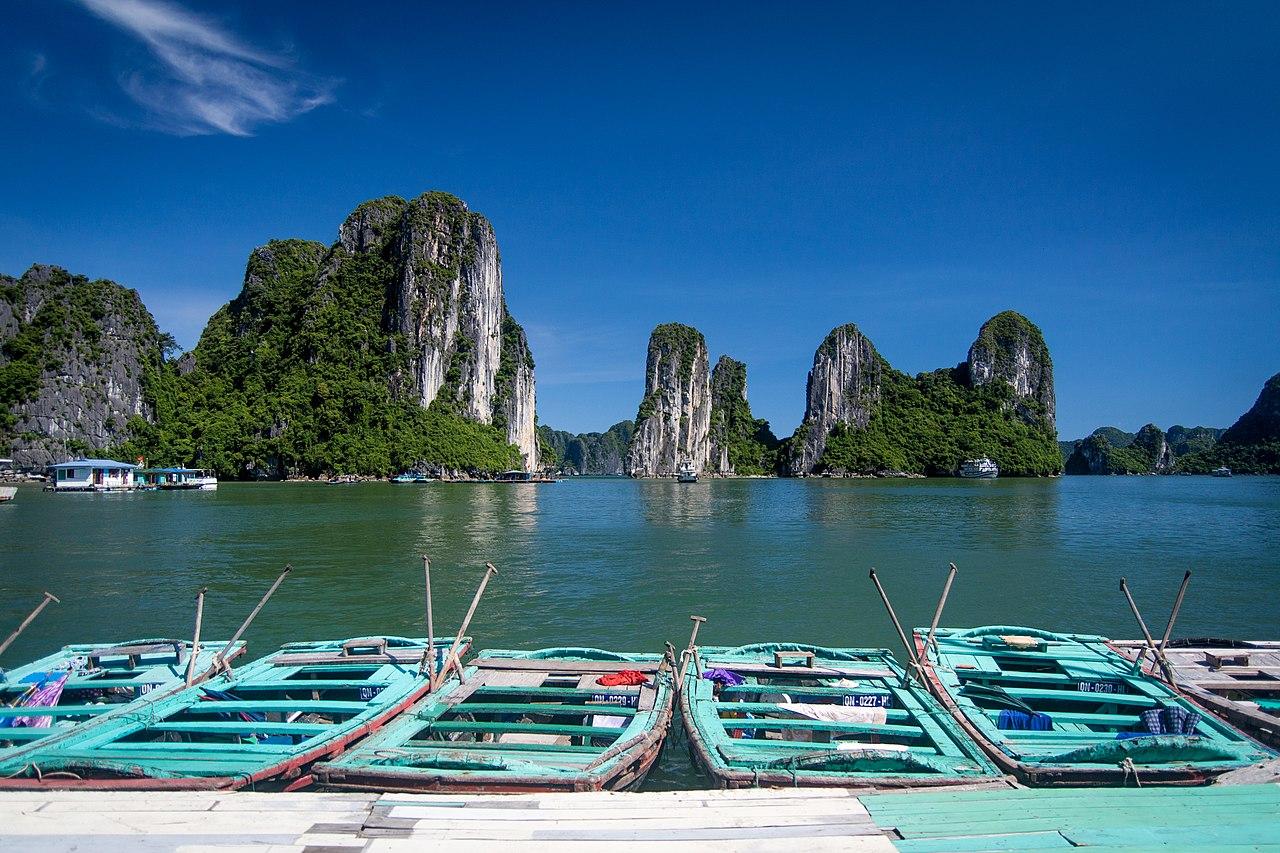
[979, 469]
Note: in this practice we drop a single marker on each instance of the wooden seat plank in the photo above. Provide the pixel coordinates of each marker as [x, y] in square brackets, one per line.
[563, 666]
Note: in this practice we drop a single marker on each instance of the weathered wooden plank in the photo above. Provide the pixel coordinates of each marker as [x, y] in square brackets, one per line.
[562, 666]
[805, 671]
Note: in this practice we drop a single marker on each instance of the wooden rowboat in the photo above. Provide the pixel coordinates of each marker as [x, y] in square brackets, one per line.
[97, 679]
[1064, 709]
[812, 716]
[265, 722]
[522, 721]
[1239, 680]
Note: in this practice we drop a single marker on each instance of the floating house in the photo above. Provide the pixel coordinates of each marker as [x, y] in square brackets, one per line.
[92, 475]
[175, 479]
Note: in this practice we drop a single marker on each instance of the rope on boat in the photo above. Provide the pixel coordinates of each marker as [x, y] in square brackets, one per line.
[1129, 769]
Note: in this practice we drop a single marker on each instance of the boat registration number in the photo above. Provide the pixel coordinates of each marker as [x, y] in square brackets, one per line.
[367, 693]
[868, 700]
[622, 700]
[1101, 687]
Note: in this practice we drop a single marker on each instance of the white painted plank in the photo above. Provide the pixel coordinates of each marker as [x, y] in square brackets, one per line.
[514, 832]
[612, 799]
[861, 844]
[711, 820]
[790, 808]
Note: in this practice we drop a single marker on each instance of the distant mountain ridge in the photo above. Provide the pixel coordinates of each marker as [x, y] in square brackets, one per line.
[597, 453]
[1250, 446]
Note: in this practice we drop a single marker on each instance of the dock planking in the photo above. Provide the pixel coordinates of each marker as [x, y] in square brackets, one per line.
[749, 820]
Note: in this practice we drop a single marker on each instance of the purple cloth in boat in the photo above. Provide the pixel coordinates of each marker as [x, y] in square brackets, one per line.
[724, 676]
[44, 696]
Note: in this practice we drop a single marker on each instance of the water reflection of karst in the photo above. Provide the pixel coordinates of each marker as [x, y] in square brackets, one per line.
[667, 502]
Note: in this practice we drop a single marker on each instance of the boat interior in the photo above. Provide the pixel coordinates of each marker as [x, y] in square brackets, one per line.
[801, 708]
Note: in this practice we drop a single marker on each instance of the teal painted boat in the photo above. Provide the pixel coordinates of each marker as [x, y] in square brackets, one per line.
[1065, 709]
[523, 721]
[793, 714]
[267, 721]
[80, 683]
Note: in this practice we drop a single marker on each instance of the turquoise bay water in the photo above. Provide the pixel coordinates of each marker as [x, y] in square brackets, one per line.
[622, 564]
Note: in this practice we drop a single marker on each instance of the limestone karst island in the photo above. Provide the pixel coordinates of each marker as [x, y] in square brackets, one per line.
[611, 428]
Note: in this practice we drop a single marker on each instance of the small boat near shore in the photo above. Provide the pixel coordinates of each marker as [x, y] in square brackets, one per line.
[686, 473]
[8, 493]
[415, 477]
[1224, 471]
[50, 698]
[266, 722]
[1065, 709]
[799, 715]
[343, 480]
[1239, 680]
[562, 719]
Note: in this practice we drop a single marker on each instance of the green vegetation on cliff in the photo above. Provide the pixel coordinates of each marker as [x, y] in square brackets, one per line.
[298, 375]
[1251, 445]
[673, 340]
[750, 444]
[929, 423]
[89, 332]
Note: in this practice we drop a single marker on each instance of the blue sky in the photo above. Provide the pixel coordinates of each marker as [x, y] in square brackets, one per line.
[761, 172]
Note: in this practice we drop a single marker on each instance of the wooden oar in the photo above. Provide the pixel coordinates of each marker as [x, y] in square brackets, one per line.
[902, 635]
[1173, 614]
[689, 651]
[1146, 634]
[48, 596]
[195, 640]
[452, 658]
[430, 654]
[942, 602]
[220, 660]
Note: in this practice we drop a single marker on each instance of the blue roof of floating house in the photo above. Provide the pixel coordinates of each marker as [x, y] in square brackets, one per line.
[94, 463]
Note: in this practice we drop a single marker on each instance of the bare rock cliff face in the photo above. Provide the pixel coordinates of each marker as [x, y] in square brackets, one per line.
[1011, 349]
[446, 301]
[843, 388]
[673, 424]
[73, 365]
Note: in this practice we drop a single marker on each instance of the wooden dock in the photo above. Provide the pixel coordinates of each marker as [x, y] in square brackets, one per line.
[1244, 817]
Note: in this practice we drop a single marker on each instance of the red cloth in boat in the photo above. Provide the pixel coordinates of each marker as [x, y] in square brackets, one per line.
[625, 678]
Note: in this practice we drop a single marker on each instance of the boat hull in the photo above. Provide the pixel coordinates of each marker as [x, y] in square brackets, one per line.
[464, 767]
[102, 756]
[1064, 775]
[945, 759]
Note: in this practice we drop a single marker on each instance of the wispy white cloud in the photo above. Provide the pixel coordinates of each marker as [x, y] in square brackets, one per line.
[206, 80]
